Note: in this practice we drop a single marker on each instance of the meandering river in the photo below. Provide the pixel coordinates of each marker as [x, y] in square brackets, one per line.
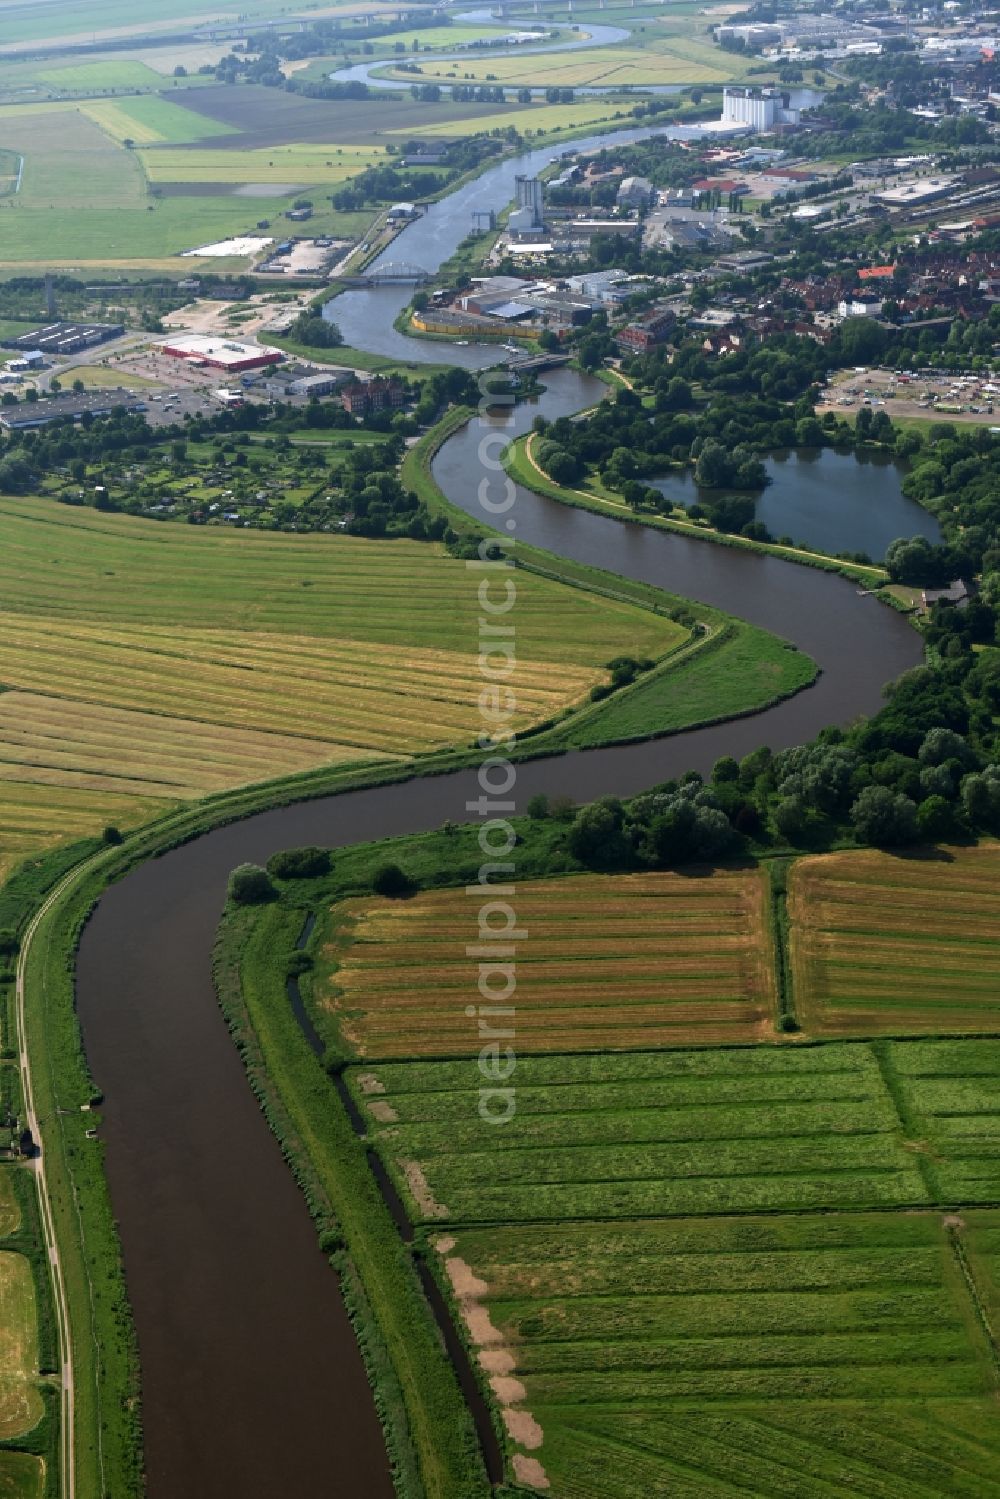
[253, 1386]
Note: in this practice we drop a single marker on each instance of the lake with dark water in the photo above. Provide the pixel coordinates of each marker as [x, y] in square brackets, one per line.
[833, 502]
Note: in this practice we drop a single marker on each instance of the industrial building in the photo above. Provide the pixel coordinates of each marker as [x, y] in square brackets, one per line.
[636, 192]
[528, 217]
[916, 193]
[22, 418]
[221, 353]
[66, 338]
[760, 109]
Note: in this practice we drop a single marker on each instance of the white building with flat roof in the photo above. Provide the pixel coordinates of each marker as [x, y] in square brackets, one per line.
[759, 108]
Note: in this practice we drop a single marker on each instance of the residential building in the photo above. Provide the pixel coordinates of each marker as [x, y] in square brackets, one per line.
[860, 304]
[362, 397]
[646, 332]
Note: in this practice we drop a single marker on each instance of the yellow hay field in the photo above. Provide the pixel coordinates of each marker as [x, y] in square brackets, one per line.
[883, 944]
[606, 962]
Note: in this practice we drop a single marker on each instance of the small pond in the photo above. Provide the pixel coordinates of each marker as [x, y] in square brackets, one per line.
[835, 502]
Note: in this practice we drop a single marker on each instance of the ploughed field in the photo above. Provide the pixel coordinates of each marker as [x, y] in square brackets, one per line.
[142, 665]
[887, 944]
[604, 962]
[698, 1269]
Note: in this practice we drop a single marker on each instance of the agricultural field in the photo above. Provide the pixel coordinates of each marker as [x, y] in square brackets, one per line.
[10, 171]
[20, 1402]
[62, 20]
[258, 117]
[294, 165]
[797, 1355]
[646, 1134]
[669, 49]
[10, 1212]
[85, 198]
[150, 120]
[888, 944]
[221, 658]
[22, 1476]
[535, 119]
[644, 1330]
[109, 74]
[609, 962]
[947, 1096]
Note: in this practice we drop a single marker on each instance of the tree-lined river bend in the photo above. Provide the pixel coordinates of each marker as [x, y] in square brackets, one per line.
[252, 1382]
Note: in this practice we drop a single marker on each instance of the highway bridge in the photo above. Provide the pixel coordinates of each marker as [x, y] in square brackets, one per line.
[392, 273]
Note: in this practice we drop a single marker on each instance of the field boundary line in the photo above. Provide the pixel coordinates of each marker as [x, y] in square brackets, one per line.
[953, 1232]
[908, 1123]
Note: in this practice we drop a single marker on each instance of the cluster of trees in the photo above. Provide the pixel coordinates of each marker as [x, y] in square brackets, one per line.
[955, 474]
[882, 131]
[626, 444]
[315, 331]
[926, 767]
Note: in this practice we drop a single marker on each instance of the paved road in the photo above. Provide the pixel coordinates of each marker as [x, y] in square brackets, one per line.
[67, 1449]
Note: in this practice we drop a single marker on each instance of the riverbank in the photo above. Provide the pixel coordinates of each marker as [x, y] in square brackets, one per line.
[428, 1428]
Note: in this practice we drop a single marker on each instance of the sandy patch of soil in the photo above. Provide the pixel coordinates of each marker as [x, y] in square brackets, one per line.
[369, 1083]
[445, 1244]
[464, 1282]
[506, 1389]
[382, 1111]
[523, 1428]
[497, 1361]
[421, 1192]
[530, 1471]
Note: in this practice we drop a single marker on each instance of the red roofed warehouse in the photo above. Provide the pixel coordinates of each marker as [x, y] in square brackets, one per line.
[221, 353]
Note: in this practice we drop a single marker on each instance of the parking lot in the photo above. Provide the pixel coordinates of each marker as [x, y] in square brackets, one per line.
[906, 394]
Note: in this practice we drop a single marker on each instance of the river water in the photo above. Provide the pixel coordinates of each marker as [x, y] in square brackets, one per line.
[253, 1386]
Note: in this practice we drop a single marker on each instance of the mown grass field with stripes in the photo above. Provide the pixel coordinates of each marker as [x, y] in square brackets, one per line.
[649, 1134]
[22, 1476]
[608, 962]
[890, 944]
[20, 1401]
[142, 665]
[807, 1355]
[770, 1271]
